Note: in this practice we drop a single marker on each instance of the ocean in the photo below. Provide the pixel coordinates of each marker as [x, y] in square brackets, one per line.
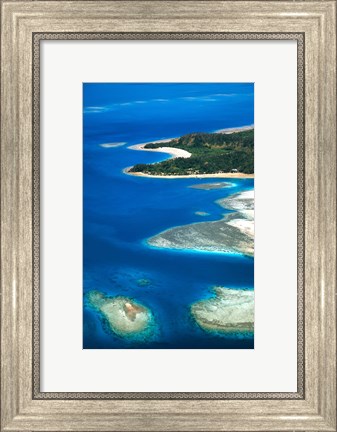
[120, 211]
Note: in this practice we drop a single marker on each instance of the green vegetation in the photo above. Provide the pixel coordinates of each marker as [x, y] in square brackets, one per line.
[212, 153]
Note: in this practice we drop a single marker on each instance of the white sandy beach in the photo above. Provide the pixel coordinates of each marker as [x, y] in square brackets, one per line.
[218, 175]
[174, 152]
[244, 205]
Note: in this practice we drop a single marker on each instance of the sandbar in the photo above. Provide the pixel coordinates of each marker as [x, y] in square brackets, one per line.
[174, 152]
[243, 205]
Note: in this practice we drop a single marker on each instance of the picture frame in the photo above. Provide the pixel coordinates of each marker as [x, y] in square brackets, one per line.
[24, 24]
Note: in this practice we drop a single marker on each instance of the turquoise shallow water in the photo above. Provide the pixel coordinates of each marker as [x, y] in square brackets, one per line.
[120, 212]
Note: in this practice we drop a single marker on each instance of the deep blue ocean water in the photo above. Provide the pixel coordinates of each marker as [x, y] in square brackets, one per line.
[121, 211]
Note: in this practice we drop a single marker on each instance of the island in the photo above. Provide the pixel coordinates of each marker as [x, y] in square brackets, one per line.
[124, 316]
[229, 311]
[216, 154]
[211, 186]
[232, 234]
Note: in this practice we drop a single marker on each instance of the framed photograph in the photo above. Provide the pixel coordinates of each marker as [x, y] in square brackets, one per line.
[152, 268]
[168, 223]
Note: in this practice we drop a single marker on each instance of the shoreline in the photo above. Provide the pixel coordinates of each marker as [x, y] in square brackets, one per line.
[176, 153]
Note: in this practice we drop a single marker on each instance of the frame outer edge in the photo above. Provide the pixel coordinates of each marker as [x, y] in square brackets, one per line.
[15, 414]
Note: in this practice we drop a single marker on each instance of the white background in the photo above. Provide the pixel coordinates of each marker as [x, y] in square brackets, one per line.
[271, 366]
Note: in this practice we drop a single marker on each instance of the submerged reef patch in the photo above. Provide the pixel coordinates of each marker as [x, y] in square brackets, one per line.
[201, 213]
[230, 311]
[233, 234]
[125, 316]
